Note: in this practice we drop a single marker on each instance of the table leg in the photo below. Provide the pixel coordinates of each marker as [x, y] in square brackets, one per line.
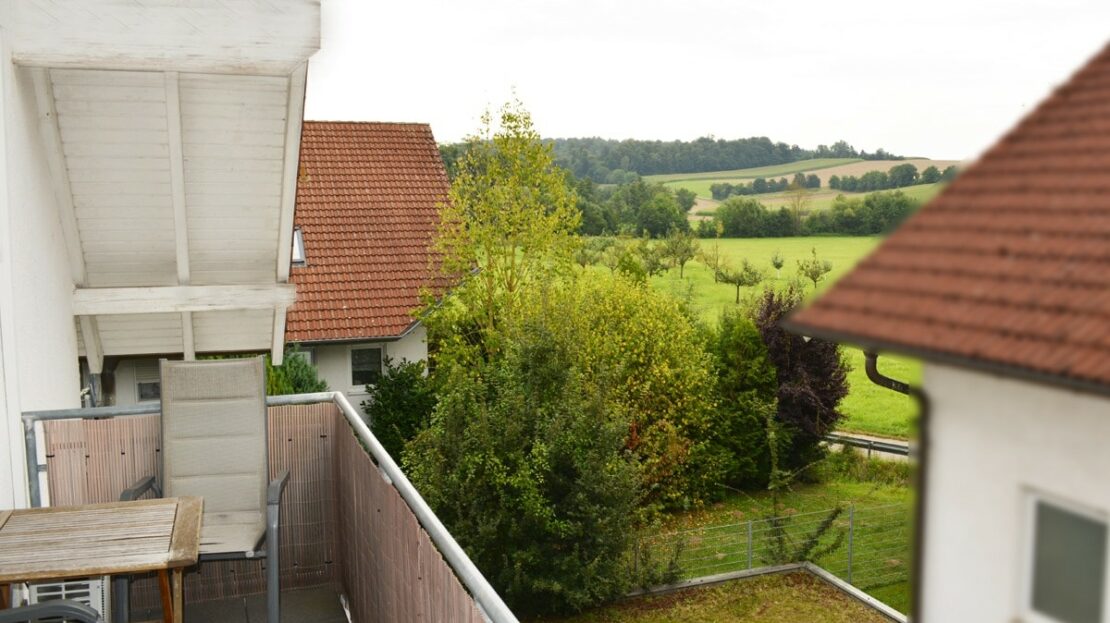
[179, 595]
[167, 601]
[5, 591]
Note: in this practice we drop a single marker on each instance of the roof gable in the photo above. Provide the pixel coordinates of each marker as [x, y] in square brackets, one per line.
[1009, 268]
[367, 205]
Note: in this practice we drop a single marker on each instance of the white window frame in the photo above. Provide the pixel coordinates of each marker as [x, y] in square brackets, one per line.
[1029, 533]
[140, 368]
[298, 258]
[351, 364]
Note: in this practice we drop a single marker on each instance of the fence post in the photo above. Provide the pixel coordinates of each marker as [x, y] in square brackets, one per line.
[851, 535]
[749, 543]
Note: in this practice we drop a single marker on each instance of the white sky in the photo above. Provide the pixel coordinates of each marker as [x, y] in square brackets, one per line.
[938, 79]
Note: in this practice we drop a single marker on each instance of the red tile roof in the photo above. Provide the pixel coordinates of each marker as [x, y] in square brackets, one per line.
[1009, 268]
[367, 197]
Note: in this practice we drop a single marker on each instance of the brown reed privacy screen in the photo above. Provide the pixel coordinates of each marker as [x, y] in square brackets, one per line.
[342, 524]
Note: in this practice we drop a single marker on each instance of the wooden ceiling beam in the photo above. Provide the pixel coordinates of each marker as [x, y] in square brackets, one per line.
[178, 299]
[294, 118]
[59, 173]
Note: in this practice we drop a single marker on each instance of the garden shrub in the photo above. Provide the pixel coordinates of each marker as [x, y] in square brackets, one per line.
[812, 378]
[527, 467]
[746, 384]
[545, 457]
[400, 405]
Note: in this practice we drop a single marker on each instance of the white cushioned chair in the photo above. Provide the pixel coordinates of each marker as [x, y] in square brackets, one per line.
[214, 445]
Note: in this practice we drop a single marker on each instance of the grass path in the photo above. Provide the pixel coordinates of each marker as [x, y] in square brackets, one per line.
[869, 408]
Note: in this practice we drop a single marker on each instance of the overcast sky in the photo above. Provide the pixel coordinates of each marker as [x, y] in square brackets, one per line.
[937, 79]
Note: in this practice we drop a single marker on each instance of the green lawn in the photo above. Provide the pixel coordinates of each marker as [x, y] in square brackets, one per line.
[779, 598]
[869, 408]
[774, 170]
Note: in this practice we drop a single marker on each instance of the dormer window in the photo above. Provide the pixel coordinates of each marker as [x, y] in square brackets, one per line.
[298, 247]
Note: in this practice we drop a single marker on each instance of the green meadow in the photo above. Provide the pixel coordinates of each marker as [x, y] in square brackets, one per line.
[869, 409]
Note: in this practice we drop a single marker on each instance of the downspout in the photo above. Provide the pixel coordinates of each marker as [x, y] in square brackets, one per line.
[917, 579]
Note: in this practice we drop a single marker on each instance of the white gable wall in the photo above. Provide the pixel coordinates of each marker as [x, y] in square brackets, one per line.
[333, 364]
[333, 361]
[993, 440]
[39, 348]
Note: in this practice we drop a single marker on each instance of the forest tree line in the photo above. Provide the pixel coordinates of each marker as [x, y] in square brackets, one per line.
[607, 161]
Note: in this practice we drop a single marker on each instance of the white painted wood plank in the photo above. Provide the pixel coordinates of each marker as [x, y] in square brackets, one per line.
[124, 280]
[277, 346]
[205, 107]
[111, 239]
[265, 179]
[119, 176]
[232, 152]
[92, 301]
[244, 123]
[188, 342]
[100, 225]
[90, 336]
[263, 244]
[110, 109]
[139, 322]
[110, 93]
[69, 121]
[233, 229]
[59, 176]
[217, 277]
[200, 164]
[203, 135]
[177, 177]
[108, 188]
[229, 189]
[240, 82]
[102, 77]
[233, 330]
[125, 206]
[102, 163]
[239, 202]
[116, 150]
[125, 137]
[294, 119]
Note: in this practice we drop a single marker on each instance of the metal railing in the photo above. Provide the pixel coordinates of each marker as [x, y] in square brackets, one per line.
[868, 547]
[871, 445]
[485, 597]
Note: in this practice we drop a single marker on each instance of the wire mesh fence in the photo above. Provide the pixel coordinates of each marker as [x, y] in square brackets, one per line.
[868, 547]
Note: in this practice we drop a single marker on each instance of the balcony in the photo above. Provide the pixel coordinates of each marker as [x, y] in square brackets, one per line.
[354, 531]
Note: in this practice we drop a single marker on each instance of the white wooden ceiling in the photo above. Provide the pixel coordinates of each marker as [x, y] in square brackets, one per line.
[172, 132]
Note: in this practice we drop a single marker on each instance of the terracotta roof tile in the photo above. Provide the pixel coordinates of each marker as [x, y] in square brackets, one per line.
[367, 197]
[1010, 266]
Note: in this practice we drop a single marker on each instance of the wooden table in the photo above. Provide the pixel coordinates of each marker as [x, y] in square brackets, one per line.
[65, 542]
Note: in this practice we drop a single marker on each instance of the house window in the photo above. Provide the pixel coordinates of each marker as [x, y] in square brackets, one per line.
[148, 381]
[307, 354]
[1067, 563]
[366, 366]
[149, 390]
[298, 248]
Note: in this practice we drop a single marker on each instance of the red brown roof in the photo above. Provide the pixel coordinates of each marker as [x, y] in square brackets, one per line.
[1009, 268]
[367, 197]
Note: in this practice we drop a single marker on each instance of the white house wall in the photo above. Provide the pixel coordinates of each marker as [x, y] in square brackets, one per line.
[994, 440]
[333, 361]
[39, 343]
